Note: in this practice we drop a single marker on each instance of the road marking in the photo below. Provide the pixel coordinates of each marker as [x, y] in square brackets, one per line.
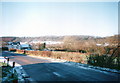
[57, 74]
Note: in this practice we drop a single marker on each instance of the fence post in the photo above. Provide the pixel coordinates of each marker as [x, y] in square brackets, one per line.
[13, 64]
[13, 69]
[24, 52]
[7, 61]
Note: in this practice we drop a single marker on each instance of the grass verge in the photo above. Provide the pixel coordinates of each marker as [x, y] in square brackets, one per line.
[7, 73]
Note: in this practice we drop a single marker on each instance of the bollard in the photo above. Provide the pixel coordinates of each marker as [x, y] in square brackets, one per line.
[13, 64]
[13, 70]
[7, 61]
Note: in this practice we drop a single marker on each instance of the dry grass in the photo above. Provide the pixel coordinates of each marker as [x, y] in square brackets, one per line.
[69, 56]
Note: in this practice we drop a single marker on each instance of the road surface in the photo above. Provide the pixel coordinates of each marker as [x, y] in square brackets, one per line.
[45, 70]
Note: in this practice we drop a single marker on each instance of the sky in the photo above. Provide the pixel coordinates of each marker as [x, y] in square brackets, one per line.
[58, 18]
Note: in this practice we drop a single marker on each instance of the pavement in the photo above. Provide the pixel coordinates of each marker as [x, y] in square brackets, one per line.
[40, 69]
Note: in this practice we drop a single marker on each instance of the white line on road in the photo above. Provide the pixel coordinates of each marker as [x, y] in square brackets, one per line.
[57, 74]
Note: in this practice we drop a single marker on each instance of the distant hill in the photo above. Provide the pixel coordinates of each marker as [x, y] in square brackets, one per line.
[42, 38]
[8, 39]
[51, 38]
[59, 38]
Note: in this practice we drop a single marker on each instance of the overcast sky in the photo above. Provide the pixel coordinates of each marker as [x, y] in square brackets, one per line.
[59, 18]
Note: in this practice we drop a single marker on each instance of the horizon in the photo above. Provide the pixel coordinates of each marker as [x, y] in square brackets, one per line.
[34, 19]
[61, 36]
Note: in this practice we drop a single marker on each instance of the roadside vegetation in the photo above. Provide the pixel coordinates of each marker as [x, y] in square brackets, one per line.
[97, 51]
[108, 61]
[7, 74]
[104, 61]
[69, 56]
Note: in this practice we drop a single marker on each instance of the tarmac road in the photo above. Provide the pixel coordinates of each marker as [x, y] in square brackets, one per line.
[45, 70]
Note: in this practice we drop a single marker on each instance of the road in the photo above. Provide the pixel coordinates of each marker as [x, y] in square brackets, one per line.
[45, 70]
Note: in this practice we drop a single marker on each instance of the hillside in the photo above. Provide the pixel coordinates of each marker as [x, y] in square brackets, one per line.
[45, 38]
[113, 39]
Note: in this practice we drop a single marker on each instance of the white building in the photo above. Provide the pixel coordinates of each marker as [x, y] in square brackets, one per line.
[17, 45]
[105, 44]
[25, 47]
[99, 44]
[13, 45]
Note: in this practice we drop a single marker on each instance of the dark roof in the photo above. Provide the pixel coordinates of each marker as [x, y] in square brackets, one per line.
[15, 43]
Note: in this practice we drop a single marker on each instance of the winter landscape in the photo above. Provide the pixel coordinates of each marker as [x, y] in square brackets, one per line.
[59, 41]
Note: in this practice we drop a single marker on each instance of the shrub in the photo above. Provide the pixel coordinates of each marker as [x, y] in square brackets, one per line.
[12, 50]
[4, 49]
[104, 61]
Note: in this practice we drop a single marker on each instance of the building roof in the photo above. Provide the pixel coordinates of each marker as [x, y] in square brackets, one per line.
[14, 43]
[25, 45]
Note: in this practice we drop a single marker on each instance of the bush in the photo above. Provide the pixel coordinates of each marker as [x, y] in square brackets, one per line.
[69, 56]
[4, 49]
[12, 50]
[104, 61]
